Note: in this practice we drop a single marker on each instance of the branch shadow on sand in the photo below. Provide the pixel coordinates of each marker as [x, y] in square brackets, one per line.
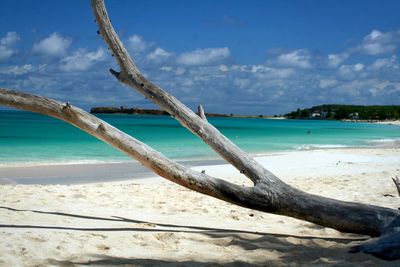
[283, 244]
[176, 228]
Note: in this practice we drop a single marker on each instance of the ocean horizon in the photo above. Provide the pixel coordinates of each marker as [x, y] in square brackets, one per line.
[30, 139]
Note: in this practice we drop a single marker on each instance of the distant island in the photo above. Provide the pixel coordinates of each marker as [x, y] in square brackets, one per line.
[347, 112]
[136, 110]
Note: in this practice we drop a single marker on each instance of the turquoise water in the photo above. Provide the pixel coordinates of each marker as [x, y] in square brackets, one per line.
[30, 139]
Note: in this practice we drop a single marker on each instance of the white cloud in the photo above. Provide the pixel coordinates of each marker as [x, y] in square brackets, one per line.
[335, 60]
[223, 68]
[5, 52]
[82, 60]
[17, 70]
[367, 87]
[137, 43]
[166, 68]
[265, 71]
[6, 44]
[203, 56]
[358, 67]
[54, 45]
[180, 71]
[158, 55]
[378, 42]
[349, 71]
[326, 83]
[298, 59]
[10, 39]
[383, 63]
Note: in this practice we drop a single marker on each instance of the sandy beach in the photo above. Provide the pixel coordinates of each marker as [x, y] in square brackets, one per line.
[396, 122]
[151, 221]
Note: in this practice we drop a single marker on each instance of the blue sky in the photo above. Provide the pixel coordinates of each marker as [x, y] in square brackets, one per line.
[248, 57]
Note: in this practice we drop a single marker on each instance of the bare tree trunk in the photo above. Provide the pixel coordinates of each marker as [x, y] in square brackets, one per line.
[275, 195]
[269, 193]
[278, 198]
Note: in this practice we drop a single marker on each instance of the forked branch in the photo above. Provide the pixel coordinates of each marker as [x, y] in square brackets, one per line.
[269, 193]
[131, 76]
[277, 199]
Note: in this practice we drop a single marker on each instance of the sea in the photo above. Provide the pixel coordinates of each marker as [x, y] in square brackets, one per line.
[29, 139]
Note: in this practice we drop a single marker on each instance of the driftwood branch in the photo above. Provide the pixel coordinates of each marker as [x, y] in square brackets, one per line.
[386, 247]
[280, 199]
[269, 193]
[132, 77]
[149, 157]
[272, 194]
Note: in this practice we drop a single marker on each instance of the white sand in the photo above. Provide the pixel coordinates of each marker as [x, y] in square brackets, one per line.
[396, 122]
[154, 222]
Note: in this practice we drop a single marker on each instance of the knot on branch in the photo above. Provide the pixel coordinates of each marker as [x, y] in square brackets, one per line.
[101, 128]
[66, 107]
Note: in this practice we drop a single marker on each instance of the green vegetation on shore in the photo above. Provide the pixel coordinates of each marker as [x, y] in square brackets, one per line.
[347, 112]
[126, 110]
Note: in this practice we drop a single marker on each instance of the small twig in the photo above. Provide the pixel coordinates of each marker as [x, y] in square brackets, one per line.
[396, 182]
[201, 113]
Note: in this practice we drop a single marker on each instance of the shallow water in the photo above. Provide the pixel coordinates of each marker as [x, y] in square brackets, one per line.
[32, 139]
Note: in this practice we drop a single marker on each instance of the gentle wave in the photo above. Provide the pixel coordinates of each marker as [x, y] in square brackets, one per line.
[386, 142]
[318, 146]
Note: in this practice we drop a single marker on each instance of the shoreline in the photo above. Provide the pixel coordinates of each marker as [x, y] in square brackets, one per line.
[89, 173]
[365, 144]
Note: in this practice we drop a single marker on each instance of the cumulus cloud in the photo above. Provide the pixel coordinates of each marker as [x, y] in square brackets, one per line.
[82, 60]
[10, 39]
[367, 88]
[223, 68]
[377, 42]
[137, 43]
[326, 83]
[159, 55]
[203, 56]
[55, 45]
[6, 43]
[384, 63]
[335, 60]
[289, 79]
[265, 71]
[297, 59]
[17, 70]
[349, 71]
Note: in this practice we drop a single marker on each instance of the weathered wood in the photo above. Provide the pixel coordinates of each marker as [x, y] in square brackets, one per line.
[283, 200]
[386, 247]
[269, 193]
[149, 157]
[396, 182]
[200, 112]
[131, 76]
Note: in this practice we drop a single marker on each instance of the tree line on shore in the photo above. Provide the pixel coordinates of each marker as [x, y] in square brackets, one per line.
[351, 112]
